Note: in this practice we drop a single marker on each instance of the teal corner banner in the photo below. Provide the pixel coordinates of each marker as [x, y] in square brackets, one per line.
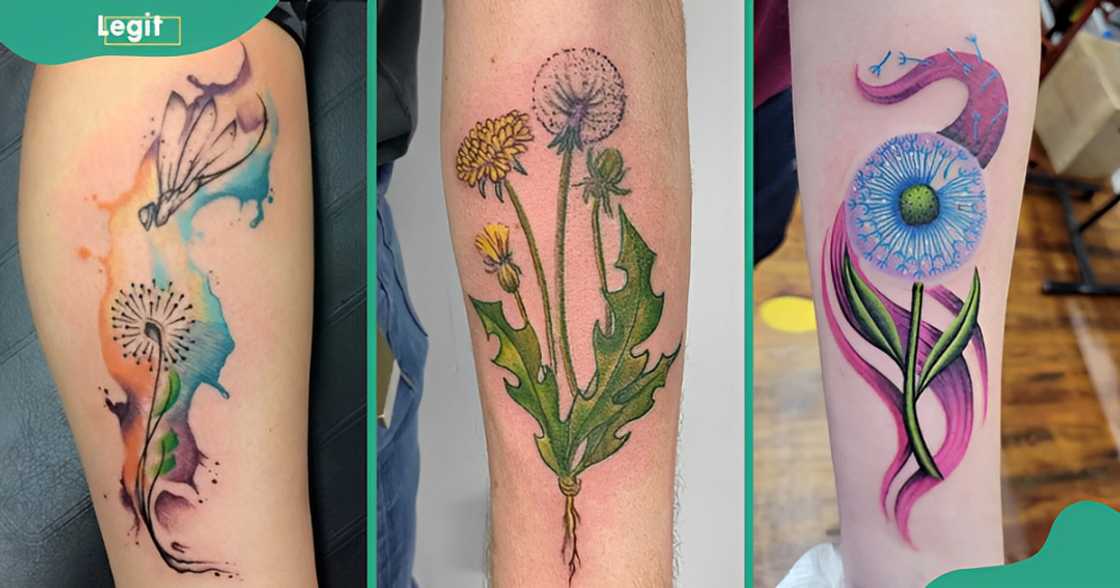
[371, 301]
[53, 32]
[1080, 551]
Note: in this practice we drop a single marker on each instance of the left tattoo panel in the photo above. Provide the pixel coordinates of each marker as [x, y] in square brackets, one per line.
[162, 329]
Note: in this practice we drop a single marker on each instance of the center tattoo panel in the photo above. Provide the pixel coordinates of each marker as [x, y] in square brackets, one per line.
[162, 329]
[579, 100]
[916, 211]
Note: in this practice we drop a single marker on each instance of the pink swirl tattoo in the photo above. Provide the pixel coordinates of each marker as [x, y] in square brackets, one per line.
[916, 209]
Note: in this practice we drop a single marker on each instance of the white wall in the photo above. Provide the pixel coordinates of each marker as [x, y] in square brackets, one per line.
[452, 501]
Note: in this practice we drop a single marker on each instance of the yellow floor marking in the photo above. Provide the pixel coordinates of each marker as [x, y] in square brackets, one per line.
[791, 314]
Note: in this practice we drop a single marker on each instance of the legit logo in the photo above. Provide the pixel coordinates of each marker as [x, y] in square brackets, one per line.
[150, 29]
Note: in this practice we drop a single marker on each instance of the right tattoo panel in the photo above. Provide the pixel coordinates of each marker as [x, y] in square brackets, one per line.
[916, 211]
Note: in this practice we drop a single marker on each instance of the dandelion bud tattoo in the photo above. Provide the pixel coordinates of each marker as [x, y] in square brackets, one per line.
[916, 210]
[578, 99]
[162, 329]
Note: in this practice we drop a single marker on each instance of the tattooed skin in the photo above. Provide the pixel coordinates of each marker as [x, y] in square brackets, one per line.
[916, 210]
[162, 330]
[579, 99]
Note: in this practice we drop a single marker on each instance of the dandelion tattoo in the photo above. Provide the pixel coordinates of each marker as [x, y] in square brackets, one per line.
[579, 99]
[163, 333]
[916, 210]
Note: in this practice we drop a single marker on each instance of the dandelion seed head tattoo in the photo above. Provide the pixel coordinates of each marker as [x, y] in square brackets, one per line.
[152, 324]
[163, 333]
[916, 210]
[579, 99]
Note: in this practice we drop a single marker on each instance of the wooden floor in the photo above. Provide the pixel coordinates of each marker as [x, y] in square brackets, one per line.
[1061, 397]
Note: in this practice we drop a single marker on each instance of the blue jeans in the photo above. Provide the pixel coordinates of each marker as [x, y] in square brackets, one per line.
[398, 449]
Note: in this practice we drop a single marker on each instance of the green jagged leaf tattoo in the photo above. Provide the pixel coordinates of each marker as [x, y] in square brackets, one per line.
[535, 389]
[621, 390]
[578, 98]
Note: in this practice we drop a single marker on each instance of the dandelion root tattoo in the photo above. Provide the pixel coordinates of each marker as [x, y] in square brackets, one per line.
[916, 210]
[163, 333]
[579, 99]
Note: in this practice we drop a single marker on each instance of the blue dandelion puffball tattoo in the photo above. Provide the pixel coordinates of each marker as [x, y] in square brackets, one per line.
[916, 207]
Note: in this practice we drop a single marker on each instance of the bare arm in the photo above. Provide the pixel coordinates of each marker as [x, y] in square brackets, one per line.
[913, 122]
[567, 180]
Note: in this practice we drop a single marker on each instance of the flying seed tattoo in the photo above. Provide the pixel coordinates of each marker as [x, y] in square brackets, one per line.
[916, 210]
[162, 329]
[579, 99]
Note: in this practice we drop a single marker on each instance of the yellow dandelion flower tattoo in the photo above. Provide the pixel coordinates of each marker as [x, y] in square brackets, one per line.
[493, 244]
[490, 150]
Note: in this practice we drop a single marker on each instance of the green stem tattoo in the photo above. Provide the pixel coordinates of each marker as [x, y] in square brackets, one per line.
[910, 387]
[521, 307]
[538, 269]
[561, 224]
[600, 262]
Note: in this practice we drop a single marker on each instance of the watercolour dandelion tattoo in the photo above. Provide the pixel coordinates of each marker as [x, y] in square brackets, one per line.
[578, 98]
[916, 210]
[163, 332]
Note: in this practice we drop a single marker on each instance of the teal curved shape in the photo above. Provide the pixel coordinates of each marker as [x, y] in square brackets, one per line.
[1080, 551]
[67, 30]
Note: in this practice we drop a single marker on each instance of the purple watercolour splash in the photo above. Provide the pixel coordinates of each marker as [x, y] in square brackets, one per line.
[980, 126]
[952, 387]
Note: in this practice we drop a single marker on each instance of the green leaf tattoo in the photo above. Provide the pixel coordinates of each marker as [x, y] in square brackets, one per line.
[173, 386]
[872, 319]
[167, 444]
[519, 353]
[621, 390]
[953, 341]
[578, 98]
